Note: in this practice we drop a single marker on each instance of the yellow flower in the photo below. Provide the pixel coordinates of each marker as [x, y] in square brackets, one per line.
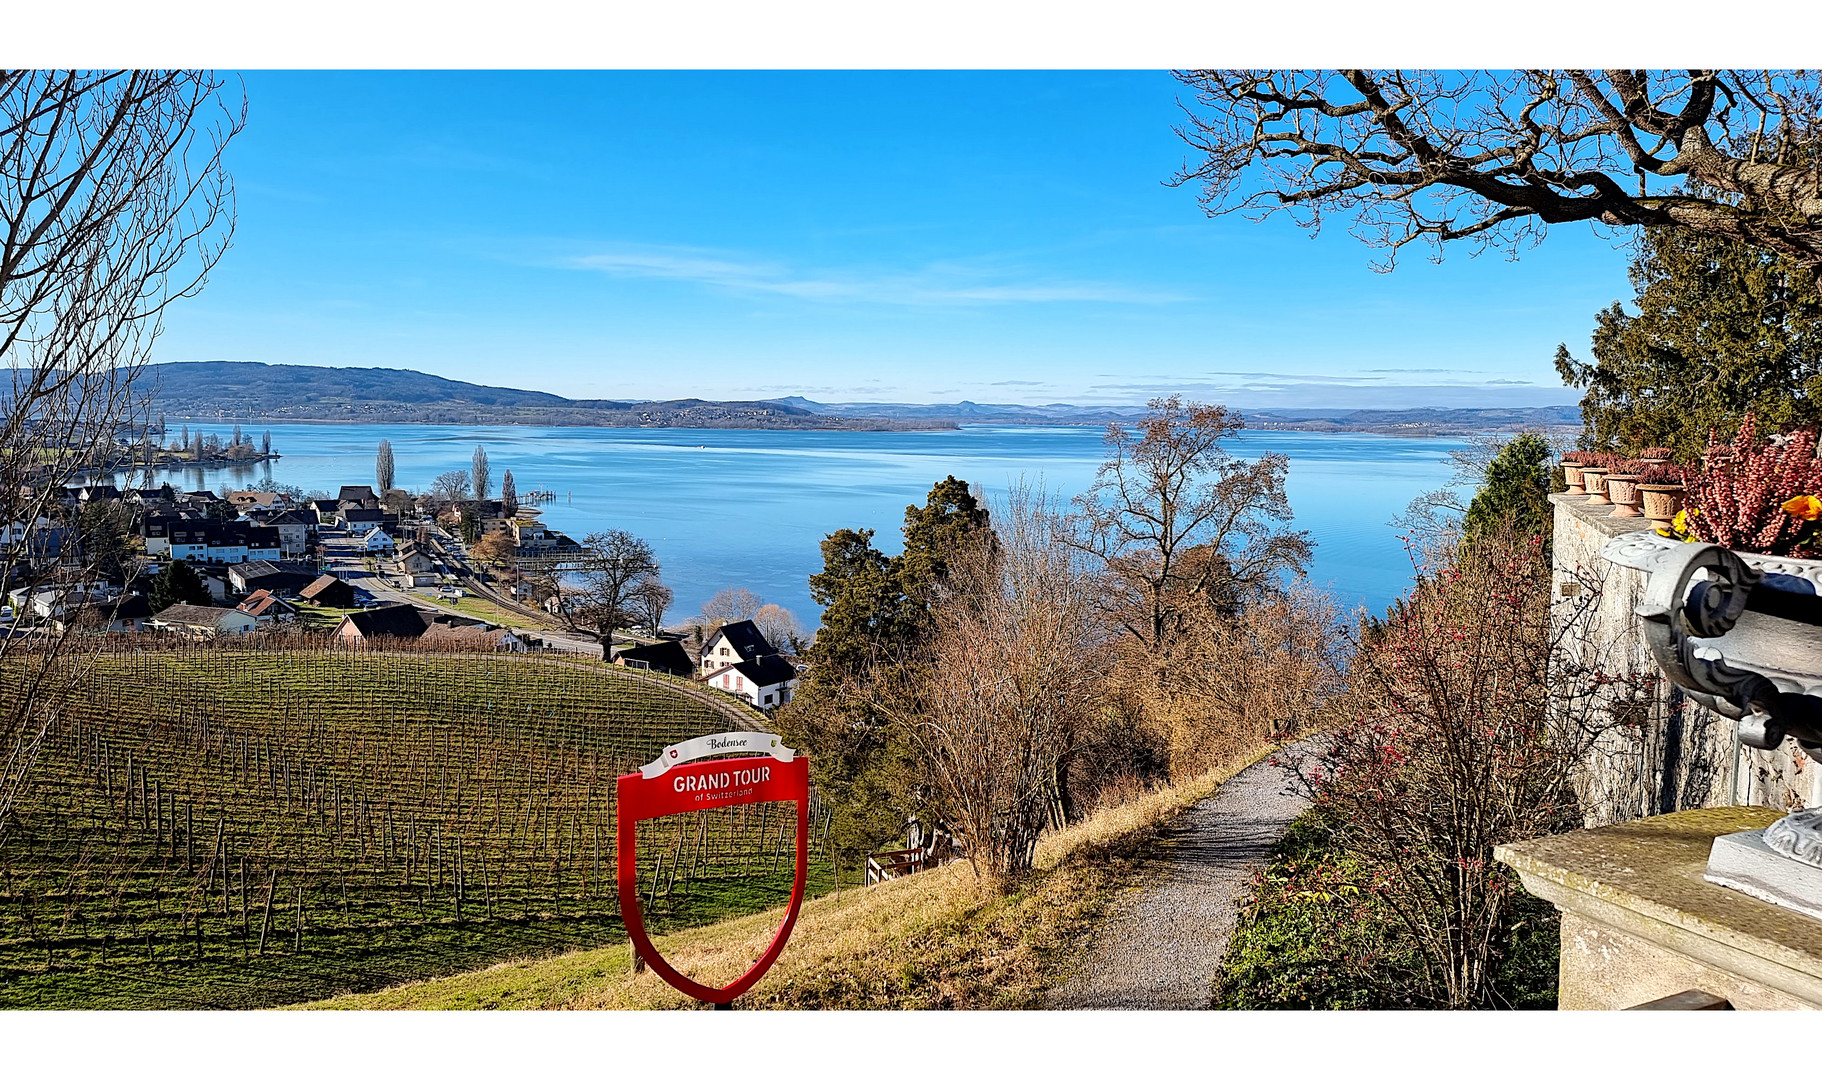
[1807, 507]
[1680, 523]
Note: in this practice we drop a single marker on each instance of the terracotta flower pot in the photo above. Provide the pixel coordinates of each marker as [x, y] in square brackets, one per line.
[1623, 493]
[1661, 501]
[1595, 480]
[1572, 474]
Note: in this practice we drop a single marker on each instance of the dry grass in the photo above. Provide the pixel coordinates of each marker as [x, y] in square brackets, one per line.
[931, 940]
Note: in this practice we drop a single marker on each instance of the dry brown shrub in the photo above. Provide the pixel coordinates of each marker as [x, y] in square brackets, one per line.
[1235, 681]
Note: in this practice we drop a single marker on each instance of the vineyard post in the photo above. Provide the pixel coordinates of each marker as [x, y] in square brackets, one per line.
[265, 925]
[245, 932]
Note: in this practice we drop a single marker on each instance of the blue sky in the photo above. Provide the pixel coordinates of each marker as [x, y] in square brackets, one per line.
[891, 236]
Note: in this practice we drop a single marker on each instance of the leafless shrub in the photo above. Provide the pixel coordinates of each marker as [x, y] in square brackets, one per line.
[1010, 680]
[1234, 681]
[1454, 739]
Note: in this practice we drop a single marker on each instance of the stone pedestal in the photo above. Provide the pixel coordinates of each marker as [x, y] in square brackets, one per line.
[1640, 923]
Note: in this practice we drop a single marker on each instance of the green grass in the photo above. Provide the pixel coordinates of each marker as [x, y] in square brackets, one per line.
[476, 608]
[428, 813]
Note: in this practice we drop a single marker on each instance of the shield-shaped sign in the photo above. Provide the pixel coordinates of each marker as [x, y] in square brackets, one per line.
[680, 782]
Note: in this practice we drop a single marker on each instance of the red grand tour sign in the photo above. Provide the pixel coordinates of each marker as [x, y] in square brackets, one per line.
[678, 783]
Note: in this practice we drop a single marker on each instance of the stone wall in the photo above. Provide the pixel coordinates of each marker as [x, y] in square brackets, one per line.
[1660, 752]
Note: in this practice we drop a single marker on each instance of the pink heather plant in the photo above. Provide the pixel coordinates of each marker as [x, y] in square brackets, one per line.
[1738, 499]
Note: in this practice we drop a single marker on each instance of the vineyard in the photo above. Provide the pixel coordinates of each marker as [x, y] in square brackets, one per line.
[224, 826]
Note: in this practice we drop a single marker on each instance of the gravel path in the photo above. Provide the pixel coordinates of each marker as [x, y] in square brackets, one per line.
[1160, 945]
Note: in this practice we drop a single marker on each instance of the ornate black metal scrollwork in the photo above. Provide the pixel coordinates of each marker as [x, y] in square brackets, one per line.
[1683, 616]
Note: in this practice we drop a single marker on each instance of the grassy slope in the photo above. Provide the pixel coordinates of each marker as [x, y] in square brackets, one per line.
[931, 940]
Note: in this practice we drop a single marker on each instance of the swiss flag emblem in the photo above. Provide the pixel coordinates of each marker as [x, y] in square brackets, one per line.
[673, 753]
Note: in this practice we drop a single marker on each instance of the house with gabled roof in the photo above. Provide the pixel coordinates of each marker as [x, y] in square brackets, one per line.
[124, 614]
[328, 591]
[357, 496]
[271, 576]
[266, 608]
[732, 643]
[194, 620]
[669, 657]
[738, 658]
[767, 681]
[295, 528]
[390, 621]
[413, 565]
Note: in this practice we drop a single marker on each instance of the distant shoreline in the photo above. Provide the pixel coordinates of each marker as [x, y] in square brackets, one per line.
[1310, 427]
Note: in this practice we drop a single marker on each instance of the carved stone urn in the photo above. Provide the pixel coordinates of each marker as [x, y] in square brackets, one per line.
[1661, 502]
[1623, 493]
[1741, 633]
[1572, 475]
[1594, 479]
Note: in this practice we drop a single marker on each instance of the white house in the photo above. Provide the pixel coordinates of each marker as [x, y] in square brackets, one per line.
[766, 682]
[738, 658]
[376, 542]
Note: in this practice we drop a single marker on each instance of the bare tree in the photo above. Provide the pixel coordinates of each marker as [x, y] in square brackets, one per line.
[1497, 157]
[383, 466]
[780, 627]
[730, 605]
[607, 571]
[482, 479]
[651, 599]
[114, 203]
[1011, 678]
[1172, 516]
[450, 487]
[1433, 520]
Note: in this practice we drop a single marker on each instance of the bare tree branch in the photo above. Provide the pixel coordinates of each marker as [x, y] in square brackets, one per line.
[1495, 158]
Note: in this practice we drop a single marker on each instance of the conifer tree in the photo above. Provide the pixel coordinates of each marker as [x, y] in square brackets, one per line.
[479, 474]
[383, 466]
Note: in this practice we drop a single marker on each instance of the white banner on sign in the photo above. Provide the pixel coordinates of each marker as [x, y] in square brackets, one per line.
[728, 742]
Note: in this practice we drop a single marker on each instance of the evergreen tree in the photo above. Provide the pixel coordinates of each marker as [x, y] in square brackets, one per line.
[235, 441]
[383, 466]
[509, 495]
[177, 583]
[950, 513]
[1721, 328]
[875, 617]
[479, 474]
[265, 443]
[1516, 489]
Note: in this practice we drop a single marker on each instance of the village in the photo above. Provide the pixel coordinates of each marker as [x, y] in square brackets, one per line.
[357, 569]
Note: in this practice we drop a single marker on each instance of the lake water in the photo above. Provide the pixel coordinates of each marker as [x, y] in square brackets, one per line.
[749, 508]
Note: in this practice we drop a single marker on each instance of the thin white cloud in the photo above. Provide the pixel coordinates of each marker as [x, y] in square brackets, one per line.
[928, 286]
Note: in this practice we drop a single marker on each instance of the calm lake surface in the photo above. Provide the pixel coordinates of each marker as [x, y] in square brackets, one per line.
[749, 508]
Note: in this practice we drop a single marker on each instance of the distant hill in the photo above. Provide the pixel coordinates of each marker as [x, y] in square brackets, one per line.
[1428, 421]
[237, 389]
[230, 389]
